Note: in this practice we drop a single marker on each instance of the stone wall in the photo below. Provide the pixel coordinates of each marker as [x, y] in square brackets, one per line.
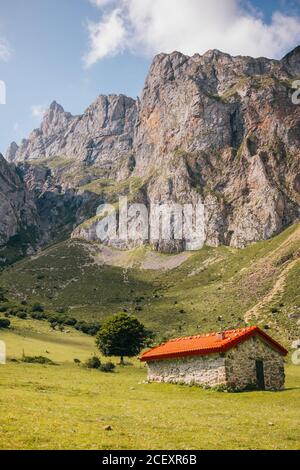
[201, 370]
[241, 368]
[236, 368]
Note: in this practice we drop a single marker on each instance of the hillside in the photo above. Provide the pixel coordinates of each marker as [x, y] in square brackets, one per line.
[214, 288]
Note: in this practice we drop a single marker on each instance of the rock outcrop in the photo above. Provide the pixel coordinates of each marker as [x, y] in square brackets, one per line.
[215, 129]
[17, 207]
[102, 135]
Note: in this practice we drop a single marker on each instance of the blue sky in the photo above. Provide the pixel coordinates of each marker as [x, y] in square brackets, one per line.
[74, 50]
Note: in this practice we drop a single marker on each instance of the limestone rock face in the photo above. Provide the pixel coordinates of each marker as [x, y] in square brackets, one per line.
[223, 129]
[292, 62]
[102, 134]
[17, 207]
[211, 128]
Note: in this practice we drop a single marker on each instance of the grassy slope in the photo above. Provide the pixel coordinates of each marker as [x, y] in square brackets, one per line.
[67, 406]
[214, 288]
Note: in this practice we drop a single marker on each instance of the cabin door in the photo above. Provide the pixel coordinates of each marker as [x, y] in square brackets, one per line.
[260, 376]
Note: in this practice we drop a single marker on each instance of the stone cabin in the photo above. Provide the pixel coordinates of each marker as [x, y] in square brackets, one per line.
[240, 359]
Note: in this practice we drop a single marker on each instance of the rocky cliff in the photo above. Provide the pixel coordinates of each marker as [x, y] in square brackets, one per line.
[213, 128]
[18, 212]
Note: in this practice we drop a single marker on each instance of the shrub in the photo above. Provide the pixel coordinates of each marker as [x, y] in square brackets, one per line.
[13, 312]
[87, 328]
[107, 367]
[38, 316]
[77, 361]
[4, 323]
[21, 315]
[70, 321]
[93, 363]
[58, 319]
[37, 360]
[37, 308]
[3, 309]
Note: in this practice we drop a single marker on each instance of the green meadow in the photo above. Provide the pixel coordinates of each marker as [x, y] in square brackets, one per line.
[66, 406]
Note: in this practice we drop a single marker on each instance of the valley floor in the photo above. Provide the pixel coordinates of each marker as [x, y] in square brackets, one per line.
[68, 406]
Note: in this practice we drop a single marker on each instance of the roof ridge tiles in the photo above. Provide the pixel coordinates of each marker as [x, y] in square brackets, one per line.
[207, 343]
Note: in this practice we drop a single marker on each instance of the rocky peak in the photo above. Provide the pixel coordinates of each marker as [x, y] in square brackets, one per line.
[105, 128]
[11, 152]
[292, 62]
[55, 119]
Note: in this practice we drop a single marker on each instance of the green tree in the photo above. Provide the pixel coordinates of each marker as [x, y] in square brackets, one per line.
[122, 335]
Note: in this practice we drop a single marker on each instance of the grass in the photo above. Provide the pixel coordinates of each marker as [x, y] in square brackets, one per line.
[35, 338]
[68, 406]
[113, 189]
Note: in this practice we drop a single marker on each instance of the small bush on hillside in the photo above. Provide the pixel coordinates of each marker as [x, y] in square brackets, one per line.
[93, 363]
[22, 315]
[77, 361]
[88, 328]
[13, 312]
[37, 308]
[107, 367]
[58, 319]
[4, 323]
[38, 316]
[70, 321]
[37, 360]
[3, 309]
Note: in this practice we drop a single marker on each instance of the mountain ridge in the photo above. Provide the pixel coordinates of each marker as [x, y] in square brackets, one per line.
[212, 128]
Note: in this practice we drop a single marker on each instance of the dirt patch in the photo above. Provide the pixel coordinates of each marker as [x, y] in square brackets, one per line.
[141, 258]
[158, 262]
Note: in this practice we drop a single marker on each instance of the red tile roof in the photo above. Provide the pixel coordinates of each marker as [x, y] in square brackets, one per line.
[208, 344]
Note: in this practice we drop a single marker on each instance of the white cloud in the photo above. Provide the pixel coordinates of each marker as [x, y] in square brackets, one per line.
[38, 110]
[4, 50]
[101, 3]
[189, 26]
[106, 38]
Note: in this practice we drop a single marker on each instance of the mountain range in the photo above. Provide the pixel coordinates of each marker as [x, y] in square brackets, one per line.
[213, 128]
